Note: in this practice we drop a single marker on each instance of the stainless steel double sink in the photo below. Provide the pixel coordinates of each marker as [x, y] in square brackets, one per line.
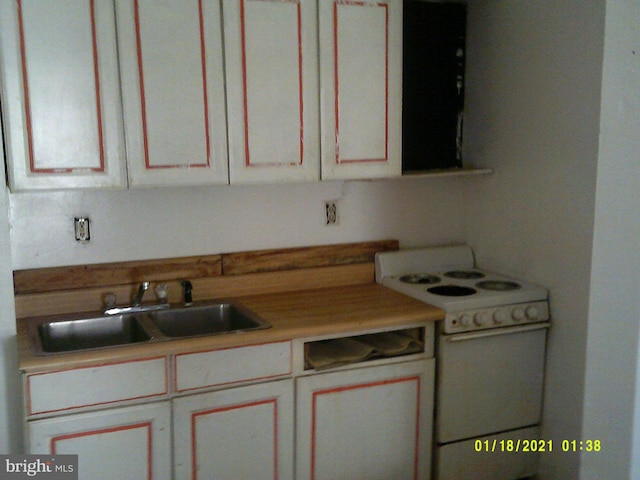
[70, 333]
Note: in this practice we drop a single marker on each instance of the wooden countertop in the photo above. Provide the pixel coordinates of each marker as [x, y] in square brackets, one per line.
[298, 314]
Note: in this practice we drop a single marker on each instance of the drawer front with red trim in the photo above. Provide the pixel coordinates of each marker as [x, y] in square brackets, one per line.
[232, 365]
[94, 386]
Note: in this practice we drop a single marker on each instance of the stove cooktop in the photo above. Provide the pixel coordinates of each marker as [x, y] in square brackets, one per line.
[464, 289]
[447, 278]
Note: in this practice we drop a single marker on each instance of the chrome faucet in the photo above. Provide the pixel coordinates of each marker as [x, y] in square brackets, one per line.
[136, 301]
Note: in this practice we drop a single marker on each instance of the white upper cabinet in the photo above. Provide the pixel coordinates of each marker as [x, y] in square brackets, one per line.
[271, 57]
[61, 94]
[361, 83]
[173, 91]
[277, 90]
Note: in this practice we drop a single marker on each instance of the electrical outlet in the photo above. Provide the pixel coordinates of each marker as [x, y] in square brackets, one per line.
[81, 229]
[331, 213]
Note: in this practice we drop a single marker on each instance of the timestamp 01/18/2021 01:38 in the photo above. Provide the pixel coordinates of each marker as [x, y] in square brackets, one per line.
[536, 445]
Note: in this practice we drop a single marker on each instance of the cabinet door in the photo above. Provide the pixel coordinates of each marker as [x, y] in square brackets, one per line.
[272, 90]
[132, 442]
[173, 91]
[369, 423]
[361, 88]
[244, 432]
[61, 94]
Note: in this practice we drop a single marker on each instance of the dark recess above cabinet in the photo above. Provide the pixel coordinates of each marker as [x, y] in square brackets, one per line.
[433, 85]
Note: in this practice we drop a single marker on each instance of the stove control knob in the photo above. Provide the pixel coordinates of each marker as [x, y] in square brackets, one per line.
[517, 314]
[532, 313]
[480, 318]
[499, 317]
[465, 320]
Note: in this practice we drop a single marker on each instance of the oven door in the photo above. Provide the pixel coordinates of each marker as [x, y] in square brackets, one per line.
[489, 381]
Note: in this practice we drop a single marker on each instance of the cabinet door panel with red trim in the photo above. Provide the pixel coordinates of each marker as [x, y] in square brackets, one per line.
[272, 90]
[244, 432]
[173, 92]
[130, 442]
[361, 85]
[373, 422]
[61, 94]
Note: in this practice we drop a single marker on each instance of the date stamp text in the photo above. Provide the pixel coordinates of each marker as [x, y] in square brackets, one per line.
[536, 445]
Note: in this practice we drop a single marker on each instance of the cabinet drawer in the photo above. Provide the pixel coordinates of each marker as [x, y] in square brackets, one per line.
[232, 365]
[96, 385]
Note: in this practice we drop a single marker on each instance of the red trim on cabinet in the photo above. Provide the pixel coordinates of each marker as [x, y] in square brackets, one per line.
[339, 160]
[75, 407]
[336, 83]
[25, 86]
[143, 107]
[203, 59]
[96, 75]
[146, 425]
[244, 88]
[27, 104]
[332, 390]
[244, 85]
[244, 380]
[194, 449]
[143, 102]
[301, 83]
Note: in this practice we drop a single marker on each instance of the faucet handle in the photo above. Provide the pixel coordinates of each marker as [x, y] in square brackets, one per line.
[110, 300]
[162, 292]
[188, 299]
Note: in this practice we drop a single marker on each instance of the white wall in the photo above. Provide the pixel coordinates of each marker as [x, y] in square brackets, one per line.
[612, 393]
[10, 400]
[174, 222]
[533, 100]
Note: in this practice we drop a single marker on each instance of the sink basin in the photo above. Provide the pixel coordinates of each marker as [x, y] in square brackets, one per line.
[89, 333]
[208, 318]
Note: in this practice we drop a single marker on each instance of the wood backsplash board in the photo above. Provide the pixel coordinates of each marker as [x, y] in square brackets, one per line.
[47, 280]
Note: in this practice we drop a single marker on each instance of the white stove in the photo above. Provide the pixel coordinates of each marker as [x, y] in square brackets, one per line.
[474, 299]
[490, 355]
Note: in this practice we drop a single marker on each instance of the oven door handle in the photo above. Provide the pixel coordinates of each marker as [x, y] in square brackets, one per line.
[494, 332]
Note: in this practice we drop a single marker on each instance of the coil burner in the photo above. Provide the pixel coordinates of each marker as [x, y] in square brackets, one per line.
[452, 290]
[420, 279]
[498, 285]
[464, 274]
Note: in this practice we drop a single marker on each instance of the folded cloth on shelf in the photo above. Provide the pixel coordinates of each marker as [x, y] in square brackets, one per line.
[392, 343]
[336, 352]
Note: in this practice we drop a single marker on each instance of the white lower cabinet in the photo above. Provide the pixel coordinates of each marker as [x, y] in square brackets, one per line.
[128, 442]
[367, 423]
[214, 420]
[244, 432]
